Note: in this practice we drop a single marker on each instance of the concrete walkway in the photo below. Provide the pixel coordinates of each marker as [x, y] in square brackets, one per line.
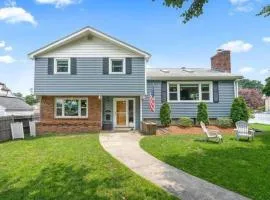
[125, 147]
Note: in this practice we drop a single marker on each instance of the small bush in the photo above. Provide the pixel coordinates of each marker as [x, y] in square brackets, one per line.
[224, 122]
[185, 122]
[202, 113]
[165, 115]
[239, 110]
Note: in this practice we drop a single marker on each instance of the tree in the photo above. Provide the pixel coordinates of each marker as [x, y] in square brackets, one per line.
[165, 114]
[266, 89]
[202, 113]
[250, 84]
[239, 110]
[252, 97]
[18, 94]
[31, 99]
[196, 8]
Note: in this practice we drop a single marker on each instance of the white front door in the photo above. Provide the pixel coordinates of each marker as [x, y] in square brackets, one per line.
[124, 112]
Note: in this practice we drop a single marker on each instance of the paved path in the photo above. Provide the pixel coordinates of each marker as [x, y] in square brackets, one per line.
[125, 147]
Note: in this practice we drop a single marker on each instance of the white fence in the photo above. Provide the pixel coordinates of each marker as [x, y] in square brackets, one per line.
[261, 118]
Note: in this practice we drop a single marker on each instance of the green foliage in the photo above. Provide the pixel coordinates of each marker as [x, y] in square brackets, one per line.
[68, 167]
[202, 113]
[224, 165]
[31, 99]
[224, 122]
[194, 8]
[18, 94]
[239, 110]
[250, 84]
[165, 114]
[185, 122]
[266, 89]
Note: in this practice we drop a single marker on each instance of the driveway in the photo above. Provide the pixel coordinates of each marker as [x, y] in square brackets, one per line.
[125, 147]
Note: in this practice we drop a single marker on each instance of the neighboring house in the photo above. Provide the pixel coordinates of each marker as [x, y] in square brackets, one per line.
[90, 81]
[11, 105]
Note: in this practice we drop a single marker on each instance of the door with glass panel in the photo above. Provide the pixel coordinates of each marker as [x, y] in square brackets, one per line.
[124, 112]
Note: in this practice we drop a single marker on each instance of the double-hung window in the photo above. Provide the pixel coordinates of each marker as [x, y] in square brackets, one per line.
[71, 108]
[117, 66]
[190, 91]
[62, 66]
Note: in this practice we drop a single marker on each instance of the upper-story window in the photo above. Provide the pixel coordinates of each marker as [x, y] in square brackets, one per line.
[190, 91]
[62, 66]
[117, 66]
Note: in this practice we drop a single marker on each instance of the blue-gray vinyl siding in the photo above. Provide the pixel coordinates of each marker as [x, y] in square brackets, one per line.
[90, 79]
[181, 109]
[108, 109]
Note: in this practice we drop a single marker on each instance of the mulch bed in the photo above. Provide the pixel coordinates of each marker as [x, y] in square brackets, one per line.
[177, 130]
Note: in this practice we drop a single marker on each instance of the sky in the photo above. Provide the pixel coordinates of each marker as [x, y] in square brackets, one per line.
[146, 24]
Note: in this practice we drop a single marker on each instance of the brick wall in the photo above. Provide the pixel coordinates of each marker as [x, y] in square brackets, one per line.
[221, 61]
[49, 124]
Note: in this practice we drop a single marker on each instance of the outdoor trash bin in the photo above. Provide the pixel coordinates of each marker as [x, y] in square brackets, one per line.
[149, 128]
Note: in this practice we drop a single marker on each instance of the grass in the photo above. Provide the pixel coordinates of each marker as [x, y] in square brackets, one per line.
[240, 166]
[68, 167]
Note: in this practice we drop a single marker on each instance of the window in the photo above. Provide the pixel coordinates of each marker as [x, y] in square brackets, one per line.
[71, 108]
[117, 66]
[62, 66]
[173, 92]
[190, 91]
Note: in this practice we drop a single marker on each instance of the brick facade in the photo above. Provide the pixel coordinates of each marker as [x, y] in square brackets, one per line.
[49, 124]
[221, 61]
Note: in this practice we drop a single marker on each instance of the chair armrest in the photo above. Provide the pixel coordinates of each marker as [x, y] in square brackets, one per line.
[213, 131]
[251, 131]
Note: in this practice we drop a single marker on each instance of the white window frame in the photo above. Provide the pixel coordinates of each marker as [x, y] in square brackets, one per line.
[63, 108]
[189, 82]
[110, 65]
[55, 65]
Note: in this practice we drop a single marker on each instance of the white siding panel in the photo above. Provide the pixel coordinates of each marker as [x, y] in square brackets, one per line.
[90, 48]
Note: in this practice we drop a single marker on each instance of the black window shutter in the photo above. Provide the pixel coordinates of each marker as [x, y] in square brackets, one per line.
[215, 92]
[73, 66]
[105, 65]
[50, 66]
[163, 91]
[128, 66]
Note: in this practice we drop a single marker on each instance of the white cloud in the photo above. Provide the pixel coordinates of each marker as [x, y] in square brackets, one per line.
[266, 39]
[242, 5]
[246, 70]
[2, 44]
[58, 3]
[8, 48]
[7, 59]
[264, 71]
[16, 15]
[237, 46]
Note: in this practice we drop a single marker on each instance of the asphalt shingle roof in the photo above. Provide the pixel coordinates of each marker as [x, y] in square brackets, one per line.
[14, 104]
[189, 74]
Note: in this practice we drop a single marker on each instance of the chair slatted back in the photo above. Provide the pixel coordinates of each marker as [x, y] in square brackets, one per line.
[204, 128]
[242, 127]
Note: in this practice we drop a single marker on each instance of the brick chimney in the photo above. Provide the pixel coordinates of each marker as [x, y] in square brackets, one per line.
[221, 61]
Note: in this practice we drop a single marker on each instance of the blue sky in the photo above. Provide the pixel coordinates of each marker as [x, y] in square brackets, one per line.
[231, 24]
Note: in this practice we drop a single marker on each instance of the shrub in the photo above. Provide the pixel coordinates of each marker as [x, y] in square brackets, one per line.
[239, 110]
[224, 122]
[252, 97]
[165, 114]
[185, 122]
[202, 113]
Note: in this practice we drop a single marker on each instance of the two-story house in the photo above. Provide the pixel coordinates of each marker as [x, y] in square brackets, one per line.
[88, 81]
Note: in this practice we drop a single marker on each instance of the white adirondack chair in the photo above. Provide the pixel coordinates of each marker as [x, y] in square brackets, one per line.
[242, 130]
[211, 134]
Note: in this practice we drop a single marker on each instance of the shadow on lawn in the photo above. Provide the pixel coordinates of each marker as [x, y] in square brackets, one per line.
[60, 181]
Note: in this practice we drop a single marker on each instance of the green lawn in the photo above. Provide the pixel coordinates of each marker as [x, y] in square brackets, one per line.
[240, 166]
[68, 167]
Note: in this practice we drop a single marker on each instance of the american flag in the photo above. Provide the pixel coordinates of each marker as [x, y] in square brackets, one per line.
[152, 103]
